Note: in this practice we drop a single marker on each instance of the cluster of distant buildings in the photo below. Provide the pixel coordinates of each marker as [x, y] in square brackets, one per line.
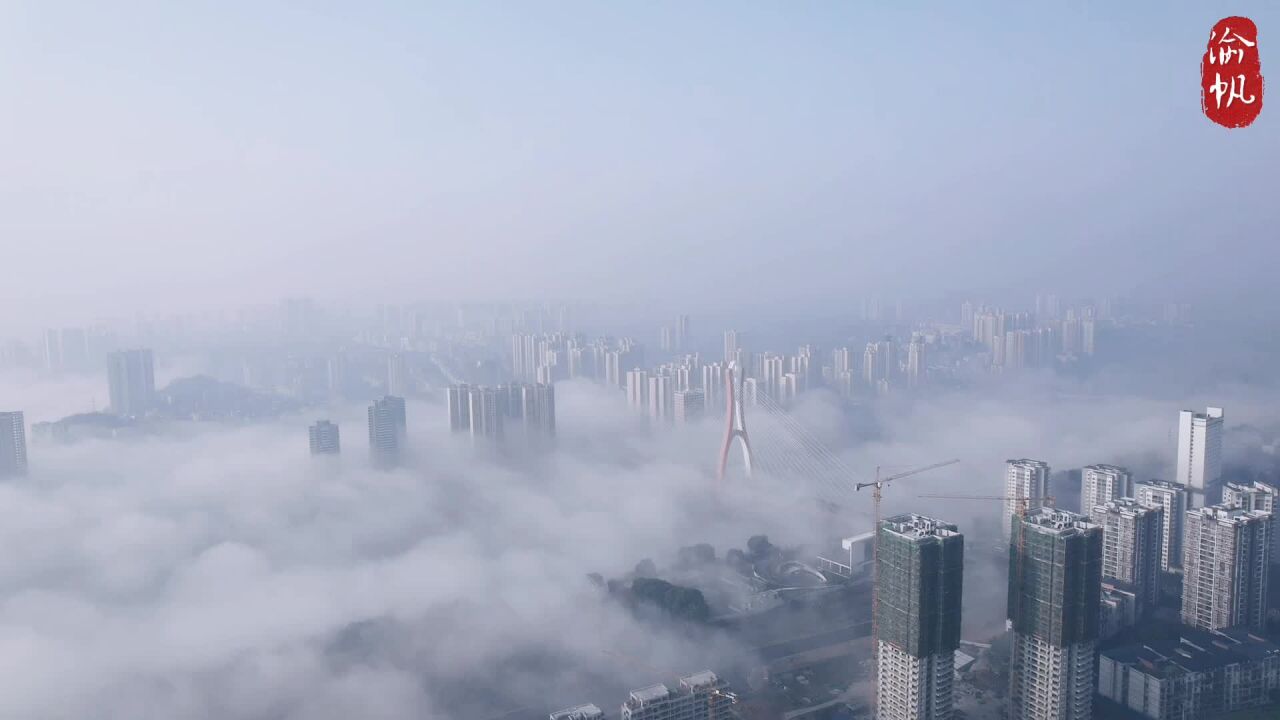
[1025, 340]
[131, 385]
[503, 415]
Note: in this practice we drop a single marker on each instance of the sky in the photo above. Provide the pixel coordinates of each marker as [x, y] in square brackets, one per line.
[203, 154]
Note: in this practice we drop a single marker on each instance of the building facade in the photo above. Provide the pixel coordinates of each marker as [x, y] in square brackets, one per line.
[920, 582]
[325, 438]
[1131, 538]
[1100, 484]
[1258, 496]
[387, 426]
[1201, 674]
[689, 405]
[131, 382]
[13, 444]
[1225, 560]
[1172, 499]
[1055, 585]
[516, 411]
[1024, 481]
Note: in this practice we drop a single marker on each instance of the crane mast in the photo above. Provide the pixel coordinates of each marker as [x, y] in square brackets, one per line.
[876, 486]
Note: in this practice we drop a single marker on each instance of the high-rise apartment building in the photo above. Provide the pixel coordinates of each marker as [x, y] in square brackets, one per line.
[52, 350]
[1131, 539]
[131, 380]
[772, 368]
[387, 428]
[1225, 562]
[1172, 499]
[516, 411]
[1100, 484]
[917, 363]
[537, 414]
[731, 345]
[1088, 336]
[638, 389]
[701, 696]
[689, 405]
[324, 438]
[661, 398]
[682, 333]
[920, 567]
[1025, 481]
[666, 339]
[713, 386]
[13, 444]
[458, 400]
[524, 356]
[1257, 496]
[484, 412]
[397, 375]
[1055, 586]
[1200, 455]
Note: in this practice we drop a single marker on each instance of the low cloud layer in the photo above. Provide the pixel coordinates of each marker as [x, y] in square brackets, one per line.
[221, 572]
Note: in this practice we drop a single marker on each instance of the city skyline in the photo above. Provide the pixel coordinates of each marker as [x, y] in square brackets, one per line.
[637, 361]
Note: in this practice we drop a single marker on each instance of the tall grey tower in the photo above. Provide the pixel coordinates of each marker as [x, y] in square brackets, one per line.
[1055, 584]
[1200, 455]
[325, 439]
[13, 444]
[920, 570]
[1225, 560]
[386, 430]
[131, 379]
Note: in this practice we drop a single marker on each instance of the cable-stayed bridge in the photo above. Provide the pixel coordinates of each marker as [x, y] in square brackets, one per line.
[780, 447]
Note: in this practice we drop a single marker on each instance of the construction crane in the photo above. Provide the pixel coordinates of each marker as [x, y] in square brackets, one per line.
[876, 486]
[714, 692]
[1021, 506]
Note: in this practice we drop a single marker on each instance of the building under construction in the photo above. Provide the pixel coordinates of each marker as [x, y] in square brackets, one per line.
[1055, 581]
[920, 567]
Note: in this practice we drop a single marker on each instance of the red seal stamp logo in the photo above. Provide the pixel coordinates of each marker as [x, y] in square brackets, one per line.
[1231, 74]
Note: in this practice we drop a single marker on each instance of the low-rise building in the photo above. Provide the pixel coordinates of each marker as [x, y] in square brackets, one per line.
[1199, 674]
[699, 696]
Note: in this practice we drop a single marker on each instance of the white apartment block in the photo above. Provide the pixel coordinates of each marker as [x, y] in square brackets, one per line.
[1200, 455]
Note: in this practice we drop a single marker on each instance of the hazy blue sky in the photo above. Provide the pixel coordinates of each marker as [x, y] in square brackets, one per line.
[178, 154]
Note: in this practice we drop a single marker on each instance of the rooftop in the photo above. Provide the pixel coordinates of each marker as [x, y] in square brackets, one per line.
[1061, 522]
[579, 712]
[1163, 484]
[1196, 651]
[1125, 506]
[649, 694]
[1229, 514]
[914, 526]
[706, 678]
[1103, 467]
[1026, 462]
